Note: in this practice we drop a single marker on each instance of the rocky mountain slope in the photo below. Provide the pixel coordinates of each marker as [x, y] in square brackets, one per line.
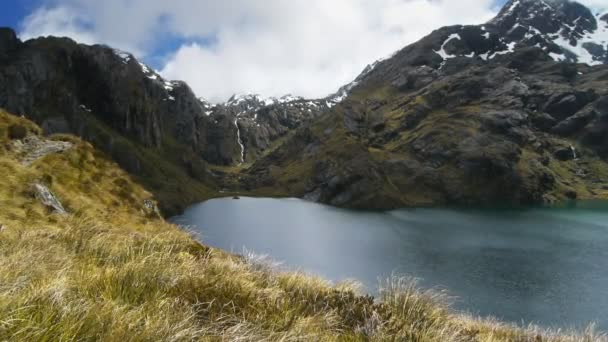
[158, 130]
[513, 111]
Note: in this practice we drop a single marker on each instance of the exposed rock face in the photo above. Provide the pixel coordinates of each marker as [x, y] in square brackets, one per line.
[8, 41]
[46, 198]
[32, 148]
[262, 121]
[469, 114]
[94, 91]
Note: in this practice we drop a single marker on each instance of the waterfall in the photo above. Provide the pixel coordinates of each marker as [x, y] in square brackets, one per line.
[573, 152]
[239, 140]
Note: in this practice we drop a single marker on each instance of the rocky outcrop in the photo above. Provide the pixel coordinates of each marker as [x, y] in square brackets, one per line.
[99, 93]
[32, 148]
[46, 198]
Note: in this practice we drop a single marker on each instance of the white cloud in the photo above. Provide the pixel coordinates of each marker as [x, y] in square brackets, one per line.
[312, 47]
[272, 47]
[58, 21]
[597, 5]
[65, 21]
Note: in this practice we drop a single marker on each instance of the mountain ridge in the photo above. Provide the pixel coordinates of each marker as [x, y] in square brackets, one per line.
[476, 114]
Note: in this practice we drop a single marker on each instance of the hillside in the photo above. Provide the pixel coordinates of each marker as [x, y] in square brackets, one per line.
[511, 112]
[97, 262]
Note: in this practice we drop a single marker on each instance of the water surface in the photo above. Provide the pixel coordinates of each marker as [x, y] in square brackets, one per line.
[545, 266]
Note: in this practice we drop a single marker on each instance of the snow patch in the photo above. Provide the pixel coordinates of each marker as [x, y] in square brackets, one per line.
[513, 6]
[125, 56]
[510, 49]
[557, 57]
[144, 68]
[599, 36]
[442, 51]
[83, 107]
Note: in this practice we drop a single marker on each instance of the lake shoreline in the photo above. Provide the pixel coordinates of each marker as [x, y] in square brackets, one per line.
[508, 272]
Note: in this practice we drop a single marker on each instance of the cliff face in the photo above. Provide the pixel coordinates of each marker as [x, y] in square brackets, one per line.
[156, 129]
[60, 84]
[63, 85]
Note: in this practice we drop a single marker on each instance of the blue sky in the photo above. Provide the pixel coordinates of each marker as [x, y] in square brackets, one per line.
[271, 47]
[13, 11]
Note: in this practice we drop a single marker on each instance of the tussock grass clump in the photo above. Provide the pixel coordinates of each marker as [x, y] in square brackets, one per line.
[111, 271]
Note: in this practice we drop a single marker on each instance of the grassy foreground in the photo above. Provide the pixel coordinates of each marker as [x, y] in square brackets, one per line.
[112, 269]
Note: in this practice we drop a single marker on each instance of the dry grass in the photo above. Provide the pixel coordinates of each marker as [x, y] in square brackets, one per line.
[112, 271]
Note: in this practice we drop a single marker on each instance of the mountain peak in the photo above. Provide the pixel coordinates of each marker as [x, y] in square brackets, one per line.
[566, 30]
[8, 39]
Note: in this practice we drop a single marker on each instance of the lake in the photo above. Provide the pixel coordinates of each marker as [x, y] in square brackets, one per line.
[544, 266]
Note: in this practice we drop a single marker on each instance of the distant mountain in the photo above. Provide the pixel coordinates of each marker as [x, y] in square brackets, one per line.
[486, 114]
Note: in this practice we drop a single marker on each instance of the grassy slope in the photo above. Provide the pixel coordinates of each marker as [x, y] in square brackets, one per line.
[110, 270]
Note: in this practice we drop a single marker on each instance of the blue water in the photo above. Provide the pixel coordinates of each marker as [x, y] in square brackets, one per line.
[544, 266]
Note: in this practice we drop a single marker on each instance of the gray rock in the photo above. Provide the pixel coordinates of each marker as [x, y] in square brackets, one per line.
[564, 105]
[503, 121]
[313, 196]
[565, 154]
[8, 41]
[575, 122]
[33, 148]
[46, 198]
[543, 121]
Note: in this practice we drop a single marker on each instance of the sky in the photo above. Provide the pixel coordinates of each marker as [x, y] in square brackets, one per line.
[270, 47]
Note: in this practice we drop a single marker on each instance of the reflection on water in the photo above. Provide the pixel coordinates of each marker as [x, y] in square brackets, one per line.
[546, 266]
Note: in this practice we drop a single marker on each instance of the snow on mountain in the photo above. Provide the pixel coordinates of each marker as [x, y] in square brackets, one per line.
[566, 30]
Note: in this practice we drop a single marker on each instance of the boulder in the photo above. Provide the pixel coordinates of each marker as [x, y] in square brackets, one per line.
[503, 121]
[564, 105]
[565, 154]
[46, 198]
[574, 123]
[543, 121]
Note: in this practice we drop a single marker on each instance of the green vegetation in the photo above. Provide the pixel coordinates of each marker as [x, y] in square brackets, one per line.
[114, 270]
[162, 171]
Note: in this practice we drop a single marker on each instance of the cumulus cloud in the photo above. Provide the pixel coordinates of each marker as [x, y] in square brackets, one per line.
[271, 47]
[58, 21]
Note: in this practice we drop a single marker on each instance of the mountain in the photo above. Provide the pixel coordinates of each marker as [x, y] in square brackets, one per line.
[514, 111]
[156, 129]
[510, 111]
[260, 122]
